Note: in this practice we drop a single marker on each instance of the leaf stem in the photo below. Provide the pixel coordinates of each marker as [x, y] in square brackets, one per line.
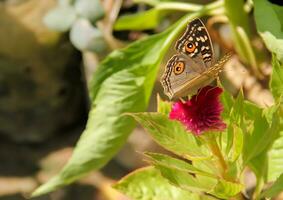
[179, 6]
[186, 7]
[217, 152]
[149, 2]
[258, 189]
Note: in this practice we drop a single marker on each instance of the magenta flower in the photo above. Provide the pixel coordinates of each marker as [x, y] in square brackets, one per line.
[200, 113]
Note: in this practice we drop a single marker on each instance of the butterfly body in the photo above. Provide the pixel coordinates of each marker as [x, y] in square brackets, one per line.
[193, 67]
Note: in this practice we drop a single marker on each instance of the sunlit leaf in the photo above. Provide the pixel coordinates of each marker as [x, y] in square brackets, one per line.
[164, 160]
[148, 184]
[226, 190]
[182, 179]
[139, 21]
[172, 135]
[237, 109]
[237, 143]
[234, 113]
[163, 107]
[217, 187]
[276, 81]
[227, 102]
[275, 159]
[269, 24]
[262, 136]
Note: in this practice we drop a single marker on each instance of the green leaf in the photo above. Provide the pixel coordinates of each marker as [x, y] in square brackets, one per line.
[122, 83]
[172, 135]
[163, 107]
[237, 110]
[148, 184]
[60, 18]
[227, 102]
[167, 161]
[275, 159]
[262, 135]
[276, 81]
[259, 166]
[182, 179]
[139, 21]
[89, 9]
[219, 188]
[237, 143]
[226, 190]
[275, 189]
[269, 25]
[86, 37]
[209, 167]
[235, 117]
[238, 20]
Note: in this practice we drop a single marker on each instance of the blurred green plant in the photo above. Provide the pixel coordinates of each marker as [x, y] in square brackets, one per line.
[123, 84]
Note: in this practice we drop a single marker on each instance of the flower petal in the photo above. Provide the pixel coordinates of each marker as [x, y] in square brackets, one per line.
[202, 112]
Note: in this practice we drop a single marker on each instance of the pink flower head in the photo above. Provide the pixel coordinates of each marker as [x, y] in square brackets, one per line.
[200, 113]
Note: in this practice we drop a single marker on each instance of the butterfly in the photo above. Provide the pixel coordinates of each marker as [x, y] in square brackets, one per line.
[193, 67]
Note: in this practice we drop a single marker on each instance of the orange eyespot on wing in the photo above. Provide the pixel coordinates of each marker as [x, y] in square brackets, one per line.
[190, 47]
[179, 67]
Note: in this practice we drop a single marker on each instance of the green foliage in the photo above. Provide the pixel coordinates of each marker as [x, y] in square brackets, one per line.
[276, 83]
[275, 159]
[269, 24]
[140, 21]
[122, 83]
[141, 185]
[219, 188]
[261, 137]
[226, 190]
[275, 189]
[163, 107]
[238, 20]
[172, 135]
[167, 161]
[183, 179]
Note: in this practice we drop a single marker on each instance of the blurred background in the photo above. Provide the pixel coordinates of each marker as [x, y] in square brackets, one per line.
[48, 52]
[44, 75]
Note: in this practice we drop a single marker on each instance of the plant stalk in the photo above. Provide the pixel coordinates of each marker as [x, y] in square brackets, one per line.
[217, 152]
[186, 7]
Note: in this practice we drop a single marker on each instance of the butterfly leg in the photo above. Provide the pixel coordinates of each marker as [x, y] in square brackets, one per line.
[182, 99]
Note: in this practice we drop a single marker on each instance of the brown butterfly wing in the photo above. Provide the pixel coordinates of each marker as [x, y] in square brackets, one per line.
[196, 44]
[178, 71]
[188, 80]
